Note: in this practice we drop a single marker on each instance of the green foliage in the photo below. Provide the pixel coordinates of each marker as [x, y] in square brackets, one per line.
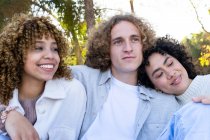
[72, 59]
[199, 46]
[70, 14]
[10, 7]
[205, 55]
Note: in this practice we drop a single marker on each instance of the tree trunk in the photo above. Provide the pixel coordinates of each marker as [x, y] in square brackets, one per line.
[89, 14]
[132, 8]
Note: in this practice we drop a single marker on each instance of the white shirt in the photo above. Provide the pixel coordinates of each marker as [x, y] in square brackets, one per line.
[116, 120]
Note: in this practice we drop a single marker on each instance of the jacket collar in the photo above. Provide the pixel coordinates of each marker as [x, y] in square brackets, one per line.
[145, 93]
[105, 76]
[54, 89]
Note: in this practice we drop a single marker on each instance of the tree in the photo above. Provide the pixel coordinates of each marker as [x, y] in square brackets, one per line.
[70, 14]
[198, 18]
[199, 46]
[10, 7]
[89, 14]
[132, 8]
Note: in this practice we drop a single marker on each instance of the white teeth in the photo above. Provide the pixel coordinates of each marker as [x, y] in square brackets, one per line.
[47, 66]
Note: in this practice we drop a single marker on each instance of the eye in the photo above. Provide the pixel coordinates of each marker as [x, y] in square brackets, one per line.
[38, 48]
[135, 39]
[117, 42]
[170, 63]
[55, 49]
[158, 74]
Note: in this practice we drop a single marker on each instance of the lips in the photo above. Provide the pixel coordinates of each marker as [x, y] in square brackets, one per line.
[128, 57]
[177, 80]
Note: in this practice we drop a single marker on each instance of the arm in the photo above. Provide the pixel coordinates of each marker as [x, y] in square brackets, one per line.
[19, 128]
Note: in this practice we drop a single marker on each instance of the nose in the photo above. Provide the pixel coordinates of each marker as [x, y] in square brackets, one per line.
[170, 74]
[128, 47]
[48, 54]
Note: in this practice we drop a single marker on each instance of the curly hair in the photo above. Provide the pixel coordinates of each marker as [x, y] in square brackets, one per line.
[166, 45]
[15, 39]
[98, 54]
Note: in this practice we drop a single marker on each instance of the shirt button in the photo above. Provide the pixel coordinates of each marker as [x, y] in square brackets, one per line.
[41, 111]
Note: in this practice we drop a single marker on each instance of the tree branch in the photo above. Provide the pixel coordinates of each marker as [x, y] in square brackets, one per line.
[198, 18]
[44, 8]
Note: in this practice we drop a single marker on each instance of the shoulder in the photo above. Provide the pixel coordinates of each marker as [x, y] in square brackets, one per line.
[156, 94]
[161, 100]
[69, 85]
[83, 69]
[202, 77]
[85, 74]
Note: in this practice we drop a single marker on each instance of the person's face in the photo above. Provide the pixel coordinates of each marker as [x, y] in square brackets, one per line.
[42, 61]
[126, 48]
[167, 74]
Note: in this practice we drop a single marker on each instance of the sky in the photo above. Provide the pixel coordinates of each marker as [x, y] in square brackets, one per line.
[174, 17]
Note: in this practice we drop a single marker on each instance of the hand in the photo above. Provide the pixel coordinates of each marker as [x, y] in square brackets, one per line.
[202, 99]
[19, 128]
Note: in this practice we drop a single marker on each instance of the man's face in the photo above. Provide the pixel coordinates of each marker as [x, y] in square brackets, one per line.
[126, 49]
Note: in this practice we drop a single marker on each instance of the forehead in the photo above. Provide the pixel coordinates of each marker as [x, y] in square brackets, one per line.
[124, 29]
[156, 59]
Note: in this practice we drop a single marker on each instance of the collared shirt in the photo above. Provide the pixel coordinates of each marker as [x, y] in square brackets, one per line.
[191, 122]
[154, 109]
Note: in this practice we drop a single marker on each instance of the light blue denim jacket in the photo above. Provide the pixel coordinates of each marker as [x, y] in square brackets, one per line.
[191, 122]
[154, 111]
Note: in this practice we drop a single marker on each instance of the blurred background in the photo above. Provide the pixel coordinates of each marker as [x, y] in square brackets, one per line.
[185, 20]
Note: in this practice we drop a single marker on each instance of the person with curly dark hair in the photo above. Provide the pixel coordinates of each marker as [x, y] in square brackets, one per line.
[36, 82]
[169, 68]
[118, 107]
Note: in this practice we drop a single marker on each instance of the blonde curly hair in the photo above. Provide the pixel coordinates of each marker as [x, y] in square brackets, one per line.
[15, 39]
[98, 55]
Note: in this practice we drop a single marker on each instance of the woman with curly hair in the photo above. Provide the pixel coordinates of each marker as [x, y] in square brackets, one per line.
[35, 81]
[168, 67]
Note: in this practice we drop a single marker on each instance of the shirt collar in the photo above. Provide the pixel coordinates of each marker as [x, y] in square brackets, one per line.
[105, 76]
[54, 89]
[145, 93]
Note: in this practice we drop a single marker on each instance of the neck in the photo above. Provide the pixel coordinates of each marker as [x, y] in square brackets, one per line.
[30, 89]
[128, 78]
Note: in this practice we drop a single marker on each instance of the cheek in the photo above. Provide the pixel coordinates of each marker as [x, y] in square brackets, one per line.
[160, 84]
[57, 58]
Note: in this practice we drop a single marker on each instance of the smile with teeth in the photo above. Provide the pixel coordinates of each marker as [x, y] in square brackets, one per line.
[48, 66]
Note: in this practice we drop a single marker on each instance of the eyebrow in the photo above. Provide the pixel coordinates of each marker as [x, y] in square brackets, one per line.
[165, 61]
[39, 41]
[135, 36]
[118, 38]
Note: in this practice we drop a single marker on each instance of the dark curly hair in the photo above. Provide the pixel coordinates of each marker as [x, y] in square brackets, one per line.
[15, 39]
[166, 45]
[98, 54]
